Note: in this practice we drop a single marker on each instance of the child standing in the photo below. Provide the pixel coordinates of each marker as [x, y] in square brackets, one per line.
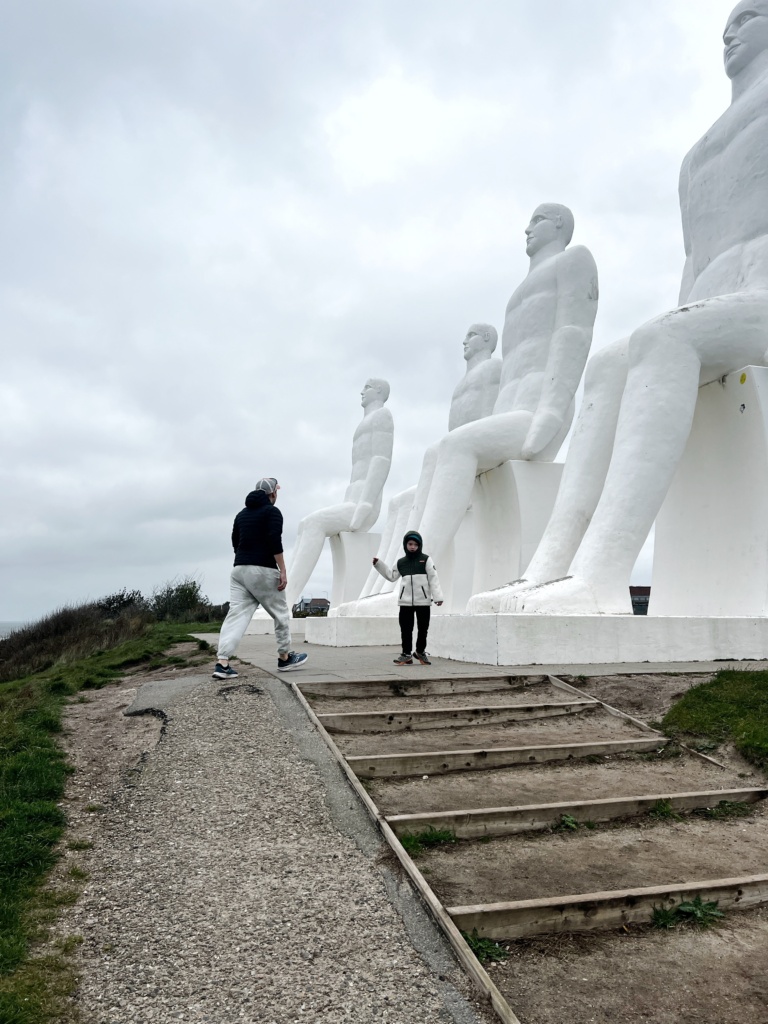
[420, 587]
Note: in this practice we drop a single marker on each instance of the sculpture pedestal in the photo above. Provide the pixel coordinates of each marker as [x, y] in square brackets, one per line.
[562, 639]
[352, 557]
[711, 549]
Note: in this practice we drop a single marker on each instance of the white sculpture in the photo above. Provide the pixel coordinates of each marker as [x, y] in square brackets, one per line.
[545, 342]
[371, 460]
[641, 392]
[473, 398]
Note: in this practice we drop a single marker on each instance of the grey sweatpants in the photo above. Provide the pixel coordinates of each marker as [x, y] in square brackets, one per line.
[251, 586]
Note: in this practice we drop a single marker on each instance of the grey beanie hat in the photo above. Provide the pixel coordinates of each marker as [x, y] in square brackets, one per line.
[267, 484]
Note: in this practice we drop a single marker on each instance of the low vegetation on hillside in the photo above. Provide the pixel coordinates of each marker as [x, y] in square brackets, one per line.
[42, 666]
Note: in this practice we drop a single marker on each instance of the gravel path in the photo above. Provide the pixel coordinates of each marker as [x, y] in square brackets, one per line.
[237, 878]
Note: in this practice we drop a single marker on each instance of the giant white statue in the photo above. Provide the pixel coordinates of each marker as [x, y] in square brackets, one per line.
[371, 460]
[473, 398]
[545, 342]
[641, 392]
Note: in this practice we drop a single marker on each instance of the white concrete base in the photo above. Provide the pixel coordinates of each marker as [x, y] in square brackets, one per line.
[711, 549]
[550, 639]
[263, 624]
[352, 556]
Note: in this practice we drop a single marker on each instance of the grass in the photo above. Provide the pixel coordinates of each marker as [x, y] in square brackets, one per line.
[662, 811]
[694, 913]
[486, 950]
[567, 823]
[731, 707]
[415, 843]
[40, 672]
[726, 809]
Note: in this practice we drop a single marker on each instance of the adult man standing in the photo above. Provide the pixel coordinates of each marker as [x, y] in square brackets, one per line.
[641, 392]
[371, 459]
[258, 579]
[545, 342]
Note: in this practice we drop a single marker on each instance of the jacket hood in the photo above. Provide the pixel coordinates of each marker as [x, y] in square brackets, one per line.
[412, 535]
[257, 499]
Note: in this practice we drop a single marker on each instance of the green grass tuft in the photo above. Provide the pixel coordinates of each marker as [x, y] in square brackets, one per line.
[694, 913]
[486, 950]
[731, 707]
[415, 843]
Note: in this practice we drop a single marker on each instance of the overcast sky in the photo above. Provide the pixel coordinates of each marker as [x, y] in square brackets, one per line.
[219, 218]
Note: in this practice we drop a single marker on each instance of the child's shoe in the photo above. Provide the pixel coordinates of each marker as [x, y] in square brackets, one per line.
[422, 657]
[404, 659]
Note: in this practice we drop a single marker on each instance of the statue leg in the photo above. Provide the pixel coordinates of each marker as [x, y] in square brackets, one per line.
[313, 530]
[584, 474]
[428, 466]
[668, 359]
[461, 455]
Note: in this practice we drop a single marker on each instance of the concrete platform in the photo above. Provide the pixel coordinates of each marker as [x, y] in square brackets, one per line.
[568, 640]
[332, 664]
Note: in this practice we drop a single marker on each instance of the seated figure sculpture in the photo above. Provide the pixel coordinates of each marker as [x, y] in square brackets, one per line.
[641, 392]
[371, 460]
[545, 342]
[473, 398]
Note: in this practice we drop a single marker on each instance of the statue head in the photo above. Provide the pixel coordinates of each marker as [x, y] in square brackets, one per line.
[550, 223]
[481, 338]
[374, 390]
[745, 36]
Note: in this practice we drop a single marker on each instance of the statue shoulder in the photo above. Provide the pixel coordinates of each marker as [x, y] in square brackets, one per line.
[579, 256]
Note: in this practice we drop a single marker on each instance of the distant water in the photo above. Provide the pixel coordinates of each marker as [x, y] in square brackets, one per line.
[7, 627]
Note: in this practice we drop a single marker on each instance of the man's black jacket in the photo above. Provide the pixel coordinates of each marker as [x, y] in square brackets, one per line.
[257, 535]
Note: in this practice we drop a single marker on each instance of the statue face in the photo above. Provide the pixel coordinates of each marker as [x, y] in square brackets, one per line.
[370, 393]
[542, 230]
[745, 36]
[474, 343]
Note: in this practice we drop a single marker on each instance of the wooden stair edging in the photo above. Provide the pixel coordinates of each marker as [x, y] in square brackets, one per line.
[362, 722]
[439, 762]
[596, 910]
[477, 973]
[415, 687]
[478, 822]
[561, 684]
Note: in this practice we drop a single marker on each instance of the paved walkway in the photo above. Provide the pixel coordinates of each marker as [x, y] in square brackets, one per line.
[236, 877]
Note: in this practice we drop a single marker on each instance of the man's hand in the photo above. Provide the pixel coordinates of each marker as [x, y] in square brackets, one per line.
[543, 429]
[361, 513]
[283, 581]
[375, 560]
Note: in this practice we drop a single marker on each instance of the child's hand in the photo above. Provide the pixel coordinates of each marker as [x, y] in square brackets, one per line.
[438, 603]
[375, 561]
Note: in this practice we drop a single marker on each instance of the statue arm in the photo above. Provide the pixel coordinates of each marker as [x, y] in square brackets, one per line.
[378, 469]
[687, 282]
[576, 308]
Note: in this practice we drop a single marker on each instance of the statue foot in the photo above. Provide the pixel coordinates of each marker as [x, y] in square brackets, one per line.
[571, 595]
[490, 602]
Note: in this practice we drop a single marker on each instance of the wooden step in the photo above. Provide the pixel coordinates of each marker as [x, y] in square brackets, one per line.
[502, 821]
[602, 910]
[415, 687]
[378, 766]
[361, 722]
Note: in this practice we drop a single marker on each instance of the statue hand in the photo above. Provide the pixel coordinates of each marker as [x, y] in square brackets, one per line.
[360, 514]
[543, 429]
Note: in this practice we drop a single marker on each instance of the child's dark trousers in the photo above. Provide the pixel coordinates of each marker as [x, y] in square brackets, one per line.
[407, 614]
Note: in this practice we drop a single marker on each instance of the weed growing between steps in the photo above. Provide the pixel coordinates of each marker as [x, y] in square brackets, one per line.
[486, 950]
[33, 772]
[696, 913]
[415, 843]
[731, 707]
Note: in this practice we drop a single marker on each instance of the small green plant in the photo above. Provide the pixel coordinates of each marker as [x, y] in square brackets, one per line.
[726, 809]
[486, 950]
[415, 843]
[94, 808]
[658, 726]
[662, 811]
[694, 913]
[79, 844]
[566, 823]
[69, 943]
[77, 873]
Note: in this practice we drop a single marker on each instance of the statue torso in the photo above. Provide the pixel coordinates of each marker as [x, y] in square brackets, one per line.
[724, 199]
[373, 435]
[475, 394]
